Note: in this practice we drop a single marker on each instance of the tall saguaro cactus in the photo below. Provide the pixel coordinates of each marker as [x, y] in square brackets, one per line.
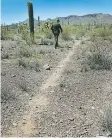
[31, 18]
[39, 22]
[68, 21]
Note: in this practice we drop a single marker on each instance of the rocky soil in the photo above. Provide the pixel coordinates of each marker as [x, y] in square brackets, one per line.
[59, 100]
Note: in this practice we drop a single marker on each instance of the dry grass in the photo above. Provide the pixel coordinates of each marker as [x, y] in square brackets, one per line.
[48, 34]
[98, 56]
[24, 51]
[45, 41]
[23, 85]
[22, 62]
[7, 95]
[5, 54]
[29, 65]
[107, 121]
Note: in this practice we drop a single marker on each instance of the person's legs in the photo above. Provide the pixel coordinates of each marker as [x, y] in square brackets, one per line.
[56, 40]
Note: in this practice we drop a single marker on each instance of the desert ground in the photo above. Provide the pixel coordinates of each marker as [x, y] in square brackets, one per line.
[64, 92]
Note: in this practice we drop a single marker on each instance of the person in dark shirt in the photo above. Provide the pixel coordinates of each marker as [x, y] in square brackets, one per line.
[56, 29]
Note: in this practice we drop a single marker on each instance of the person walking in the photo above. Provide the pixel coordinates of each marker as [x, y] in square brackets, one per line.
[56, 29]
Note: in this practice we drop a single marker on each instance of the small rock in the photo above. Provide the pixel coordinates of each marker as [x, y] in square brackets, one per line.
[109, 135]
[71, 119]
[47, 67]
[14, 124]
[6, 107]
[74, 126]
[13, 75]
[24, 123]
[32, 95]
[61, 121]
[80, 107]
[54, 113]
[69, 47]
[101, 112]
[93, 107]
[84, 113]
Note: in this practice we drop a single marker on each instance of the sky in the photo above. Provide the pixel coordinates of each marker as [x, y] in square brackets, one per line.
[13, 11]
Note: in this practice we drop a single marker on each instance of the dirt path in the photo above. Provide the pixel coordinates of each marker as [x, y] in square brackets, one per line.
[26, 126]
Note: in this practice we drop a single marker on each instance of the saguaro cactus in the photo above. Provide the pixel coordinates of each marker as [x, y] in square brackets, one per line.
[68, 21]
[31, 19]
[38, 20]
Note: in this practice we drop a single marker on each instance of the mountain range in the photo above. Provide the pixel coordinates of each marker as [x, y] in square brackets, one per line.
[97, 18]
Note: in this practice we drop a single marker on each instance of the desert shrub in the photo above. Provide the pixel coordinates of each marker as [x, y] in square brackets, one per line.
[48, 34]
[99, 57]
[42, 50]
[93, 38]
[101, 32]
[66, 34]
[23, 85]
[6, 35]
[110, 38]
[24, 51]
[22, 62]
[80, 32]
[24, 34]
[29, 39]
[34, 65]
[6, 94]
[104, 33]
[77, 38]
[107, 121]
[62, 85]
[45, 41]
[5, 54]
[29, 65]
[83, 42]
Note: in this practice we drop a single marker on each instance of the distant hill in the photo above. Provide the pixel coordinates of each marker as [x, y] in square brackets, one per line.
[27, 21]
[97, 18]
[87, 19]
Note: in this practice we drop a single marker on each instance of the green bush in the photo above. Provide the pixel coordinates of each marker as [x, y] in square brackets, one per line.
[66, 34]
[101, 32]
[48, 34]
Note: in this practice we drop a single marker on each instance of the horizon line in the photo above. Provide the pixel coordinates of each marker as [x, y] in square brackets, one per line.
[57, 17]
